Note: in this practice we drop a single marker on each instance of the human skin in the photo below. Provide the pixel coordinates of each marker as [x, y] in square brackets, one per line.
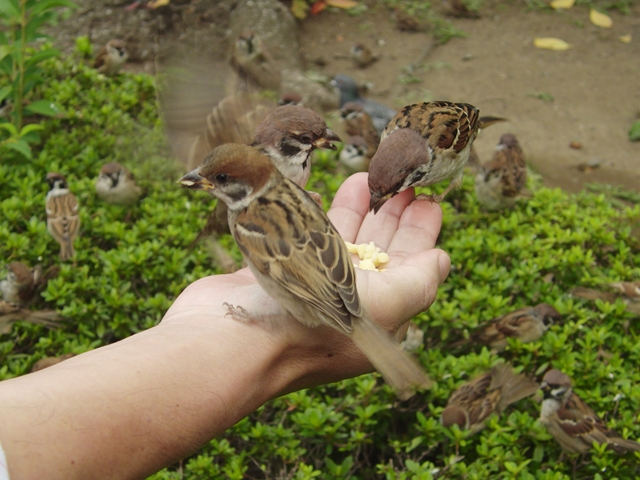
[129, 409]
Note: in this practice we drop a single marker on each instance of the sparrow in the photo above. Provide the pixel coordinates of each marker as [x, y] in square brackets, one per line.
[287, 136]
[526, 324]
[116, 184]
[630, 290]
[500, 181]
[254, 64]
[290, 98]
[361, 55]
[63, 221]
[435, 139]
[47, 362]
[349, 92]
[297, 255]
[111, 58]
[457, 8]
[354, 155]
[406, 22]
[474, 402]
[358, 123]
[12, 312]
[20, 283]
[573, 424]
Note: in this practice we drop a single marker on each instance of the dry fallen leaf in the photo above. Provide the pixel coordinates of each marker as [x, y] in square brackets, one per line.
[551, 43]
[157, 3]
[565, 4]
[600, 19]
[299, 9]
[625, 38]
[346, 4]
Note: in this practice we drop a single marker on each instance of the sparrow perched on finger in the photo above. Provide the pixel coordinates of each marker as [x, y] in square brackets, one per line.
[355, 155]
[425, 143]
[358, 123]
[63, 221]
[526, 324]
[116, 184]
[12, 312]
[573, 424]
[362, 56]
[47, 362]
[111, 58]
[297, 255]
[474, 402]
[349, 92]
[500, 181]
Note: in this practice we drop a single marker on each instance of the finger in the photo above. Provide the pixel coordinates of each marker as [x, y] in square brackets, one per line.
[381, 227]
[418, 229]
[350, 206]
[401, 293]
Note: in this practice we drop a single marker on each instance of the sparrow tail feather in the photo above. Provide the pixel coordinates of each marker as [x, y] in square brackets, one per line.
[399, 369]
[66, 251]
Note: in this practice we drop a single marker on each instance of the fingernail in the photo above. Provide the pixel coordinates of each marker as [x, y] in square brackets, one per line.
[444, 262]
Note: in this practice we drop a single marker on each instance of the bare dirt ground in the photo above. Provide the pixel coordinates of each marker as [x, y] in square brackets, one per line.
[591, 91]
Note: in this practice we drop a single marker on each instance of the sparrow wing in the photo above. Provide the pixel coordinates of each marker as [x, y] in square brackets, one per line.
[302, 252]
[508, 162]
[62, 217]
[454, 125]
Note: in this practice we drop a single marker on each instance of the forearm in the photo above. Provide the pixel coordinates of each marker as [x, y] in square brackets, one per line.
[131, 408]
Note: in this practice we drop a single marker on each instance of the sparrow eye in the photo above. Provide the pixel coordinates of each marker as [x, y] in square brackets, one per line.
[222, 178]
[306, 138]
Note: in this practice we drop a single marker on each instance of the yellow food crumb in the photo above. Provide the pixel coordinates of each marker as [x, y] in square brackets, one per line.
[370, 256]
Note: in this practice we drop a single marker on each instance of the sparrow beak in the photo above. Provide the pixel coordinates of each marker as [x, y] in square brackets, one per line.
[377, 201]
[194, 181]
[325, 142]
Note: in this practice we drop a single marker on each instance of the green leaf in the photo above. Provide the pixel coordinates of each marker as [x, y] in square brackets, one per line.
[32, 127]
[9, 127]
[4, 92]
[19, 146]
[42, 55]
[10, 9]
[634, 132]
[43, 107]
[50, 4]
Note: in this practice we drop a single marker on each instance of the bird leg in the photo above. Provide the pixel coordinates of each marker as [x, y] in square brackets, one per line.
[240, 314]
[454, 183]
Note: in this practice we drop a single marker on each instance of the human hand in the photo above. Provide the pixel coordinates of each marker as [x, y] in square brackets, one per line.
[406, 230]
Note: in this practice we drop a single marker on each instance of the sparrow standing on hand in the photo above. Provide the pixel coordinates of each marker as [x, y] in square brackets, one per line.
[472, 403]
[111, 58]
[297, 255]
[63, 221]
[526, 324]
[573, 424]
[500, 181]
[116, 184]
[349, 92]
[425, 143]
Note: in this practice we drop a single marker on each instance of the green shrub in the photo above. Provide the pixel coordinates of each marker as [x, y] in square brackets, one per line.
[129, 269]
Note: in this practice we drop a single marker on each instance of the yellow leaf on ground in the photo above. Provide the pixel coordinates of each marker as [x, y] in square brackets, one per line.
[626, 38]
[299, 8]
[158, 3]
[551, 43]
[565, 4]
[600, 19]
[346, 4]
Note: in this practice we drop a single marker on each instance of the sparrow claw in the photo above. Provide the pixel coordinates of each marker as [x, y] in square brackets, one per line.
[433, 198]
[237, 313]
